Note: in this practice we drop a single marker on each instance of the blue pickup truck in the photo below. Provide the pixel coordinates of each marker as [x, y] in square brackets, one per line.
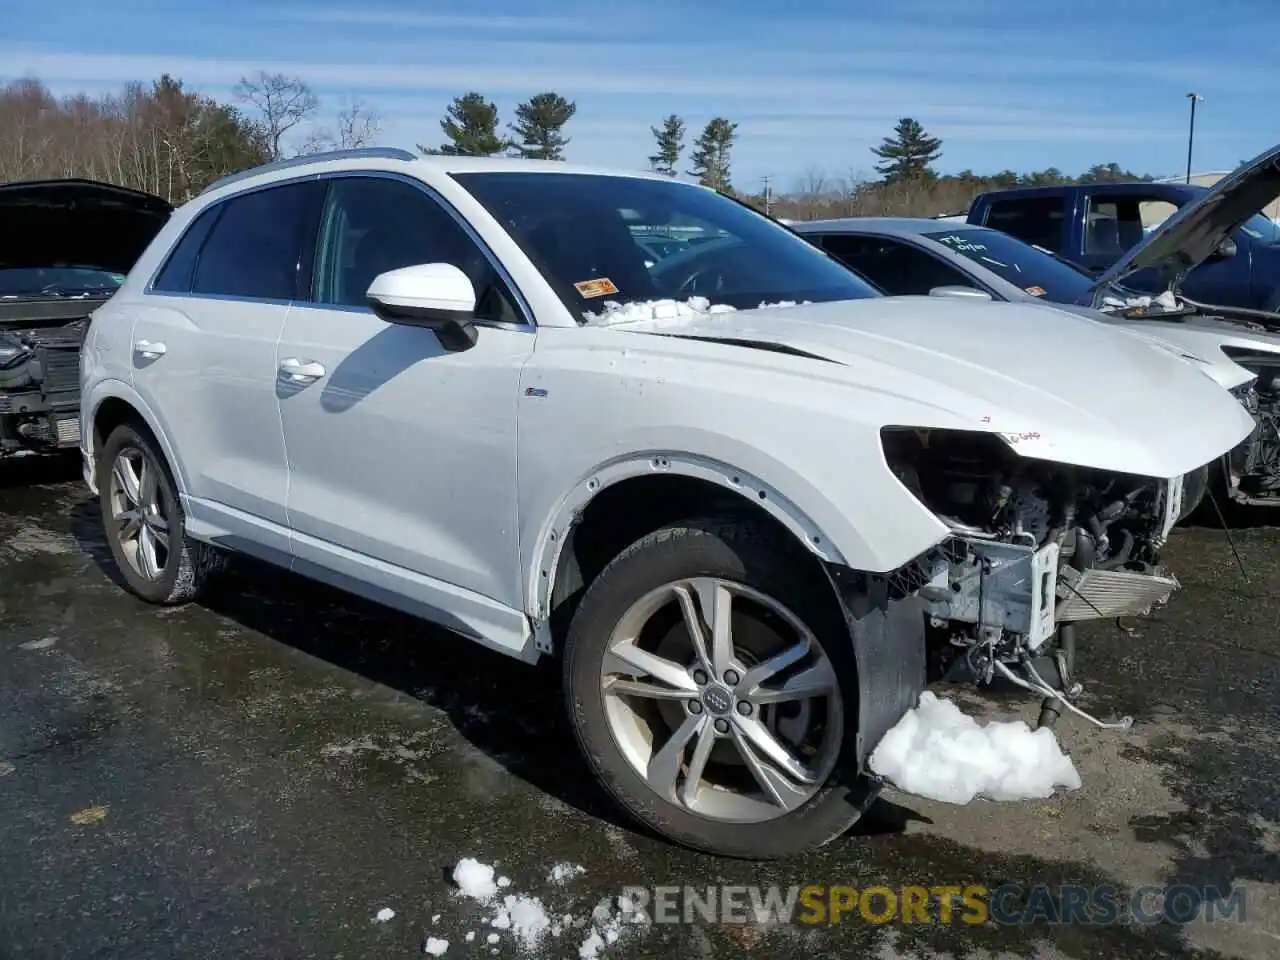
[1092, 225]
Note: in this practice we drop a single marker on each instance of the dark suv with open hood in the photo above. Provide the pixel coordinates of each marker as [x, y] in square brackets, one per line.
[65, 246]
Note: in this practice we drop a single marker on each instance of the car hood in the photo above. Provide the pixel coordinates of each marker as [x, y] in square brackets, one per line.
[80, 223]
[1194, 231]
[1197, 340]
[1056, 386]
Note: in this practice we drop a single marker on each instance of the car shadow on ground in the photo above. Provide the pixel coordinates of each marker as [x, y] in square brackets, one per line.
[512, 712]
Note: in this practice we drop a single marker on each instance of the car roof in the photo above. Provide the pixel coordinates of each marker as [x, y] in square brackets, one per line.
[902, 226]
[394, 158]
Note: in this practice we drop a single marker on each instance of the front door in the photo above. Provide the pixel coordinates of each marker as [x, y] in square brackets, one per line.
[402, 455]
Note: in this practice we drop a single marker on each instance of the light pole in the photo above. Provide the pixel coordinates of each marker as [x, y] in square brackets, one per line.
[768, 196]
[1191, 134]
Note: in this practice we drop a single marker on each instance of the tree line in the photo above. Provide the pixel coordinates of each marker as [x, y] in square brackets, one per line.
[172, 141]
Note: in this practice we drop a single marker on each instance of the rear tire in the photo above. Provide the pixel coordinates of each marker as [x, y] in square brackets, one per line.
[144, 523]
[760, 810]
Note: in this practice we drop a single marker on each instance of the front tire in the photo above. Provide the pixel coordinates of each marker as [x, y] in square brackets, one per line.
[710, 682]
[144, 523]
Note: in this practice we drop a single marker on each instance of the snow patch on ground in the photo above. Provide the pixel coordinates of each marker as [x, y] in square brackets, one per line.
[435, 947]
[475, 879]
[526, 917]
[938, 752]
[385, 914]
[563, 872]
[608, 924]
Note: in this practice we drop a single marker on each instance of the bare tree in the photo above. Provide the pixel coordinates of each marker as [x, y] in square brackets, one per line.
[358, 125]
[811, 195]
[160, 137]
[281, 103]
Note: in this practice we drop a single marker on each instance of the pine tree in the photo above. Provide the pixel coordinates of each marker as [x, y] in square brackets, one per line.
[670, 137]
[711, 154]
[908, 153]
[539, 126]
[471, 124]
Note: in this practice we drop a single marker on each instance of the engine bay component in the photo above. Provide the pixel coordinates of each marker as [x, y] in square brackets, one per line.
[1035, 546]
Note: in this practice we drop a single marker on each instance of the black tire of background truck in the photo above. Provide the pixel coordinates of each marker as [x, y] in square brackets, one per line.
[190, 565]
[742, 552]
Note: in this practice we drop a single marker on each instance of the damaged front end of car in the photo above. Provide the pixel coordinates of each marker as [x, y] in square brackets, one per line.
[1035, 548]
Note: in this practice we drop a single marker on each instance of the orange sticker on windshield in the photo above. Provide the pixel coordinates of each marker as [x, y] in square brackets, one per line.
[1036, 291]
[601, 287]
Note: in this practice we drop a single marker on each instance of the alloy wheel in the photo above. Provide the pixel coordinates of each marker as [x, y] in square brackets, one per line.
[137, 513]
[722, 700]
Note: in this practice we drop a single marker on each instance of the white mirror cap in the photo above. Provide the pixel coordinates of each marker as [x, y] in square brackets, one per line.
[426, 286]
[960, 293]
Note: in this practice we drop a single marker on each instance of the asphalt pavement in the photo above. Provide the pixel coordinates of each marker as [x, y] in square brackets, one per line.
[261, 774]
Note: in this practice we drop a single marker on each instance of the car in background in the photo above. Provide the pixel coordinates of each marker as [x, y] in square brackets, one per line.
[65, 248]
[1240, 348]
[1097, 224]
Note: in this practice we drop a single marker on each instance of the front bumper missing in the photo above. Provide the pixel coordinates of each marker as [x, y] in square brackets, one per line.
[1028, 591]
[1007, 586]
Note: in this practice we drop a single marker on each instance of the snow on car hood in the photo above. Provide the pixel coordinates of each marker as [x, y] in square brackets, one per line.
[1060, 387]
[1194, 231]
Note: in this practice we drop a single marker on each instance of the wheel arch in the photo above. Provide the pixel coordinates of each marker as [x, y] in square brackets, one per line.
[621, 501]
[114, 402]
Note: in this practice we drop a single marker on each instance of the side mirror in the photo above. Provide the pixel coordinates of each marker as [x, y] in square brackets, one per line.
[1226, 250]
[437, 296]
[960, 293]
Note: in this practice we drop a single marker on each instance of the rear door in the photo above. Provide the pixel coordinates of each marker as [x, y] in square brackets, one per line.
[203, 356]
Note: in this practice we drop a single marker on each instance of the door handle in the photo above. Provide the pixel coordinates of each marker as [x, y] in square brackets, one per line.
[148, 350]
[301, 371]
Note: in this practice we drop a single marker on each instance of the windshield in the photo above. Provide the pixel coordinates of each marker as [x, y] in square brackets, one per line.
[1031, 270]
[632, 240]
[17, 282]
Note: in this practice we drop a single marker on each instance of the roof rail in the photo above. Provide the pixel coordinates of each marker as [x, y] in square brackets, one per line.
[358, 153]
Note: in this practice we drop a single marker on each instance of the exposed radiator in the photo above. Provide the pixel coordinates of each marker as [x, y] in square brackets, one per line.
[1103, 594]
[69, 432]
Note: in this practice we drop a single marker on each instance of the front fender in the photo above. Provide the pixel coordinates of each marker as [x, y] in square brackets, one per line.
[829, 527]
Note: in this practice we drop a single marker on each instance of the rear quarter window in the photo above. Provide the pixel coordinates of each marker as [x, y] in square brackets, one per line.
[179, 269]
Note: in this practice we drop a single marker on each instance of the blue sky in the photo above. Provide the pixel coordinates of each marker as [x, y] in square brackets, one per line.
[813, 84]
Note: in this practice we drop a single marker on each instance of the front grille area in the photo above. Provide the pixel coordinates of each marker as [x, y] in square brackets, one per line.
[1103, 594]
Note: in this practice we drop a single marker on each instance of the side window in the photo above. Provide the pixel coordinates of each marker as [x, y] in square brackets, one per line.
[177, 273]
[1035, 220]
[374, 224]
[1115, 222]
[1155, 212]
[254, 248]
[897, 268]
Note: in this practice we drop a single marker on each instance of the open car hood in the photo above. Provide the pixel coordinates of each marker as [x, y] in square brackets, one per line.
[1194, 231]
[77, 223]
